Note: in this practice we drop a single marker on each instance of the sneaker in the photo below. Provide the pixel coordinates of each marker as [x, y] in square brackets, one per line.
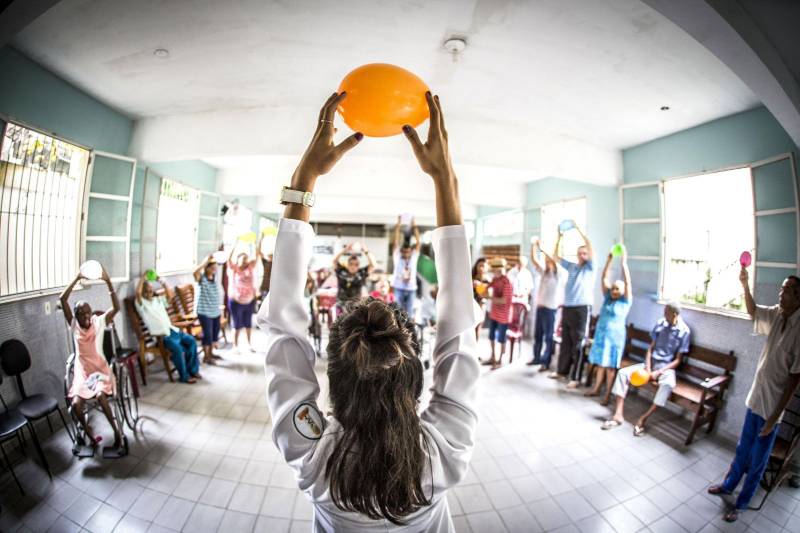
[554, 375]
[543, 369]
[573, 384]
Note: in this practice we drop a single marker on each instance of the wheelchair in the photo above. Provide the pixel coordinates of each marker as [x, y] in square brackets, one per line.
[124, 404]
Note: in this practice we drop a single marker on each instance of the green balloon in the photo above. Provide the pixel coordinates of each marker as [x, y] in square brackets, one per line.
[618, 249]
[427, 269]
[151, 275]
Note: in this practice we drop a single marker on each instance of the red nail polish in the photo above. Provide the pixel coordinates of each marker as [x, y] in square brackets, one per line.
[406, 128]
[359, 135]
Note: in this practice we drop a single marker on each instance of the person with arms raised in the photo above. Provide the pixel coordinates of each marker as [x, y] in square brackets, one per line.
[375, 463]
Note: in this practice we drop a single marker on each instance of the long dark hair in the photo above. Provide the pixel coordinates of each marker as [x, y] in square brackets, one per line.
[376, 380]
[476, 265]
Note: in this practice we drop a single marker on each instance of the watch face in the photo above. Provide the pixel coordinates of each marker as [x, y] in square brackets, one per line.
[308, 199]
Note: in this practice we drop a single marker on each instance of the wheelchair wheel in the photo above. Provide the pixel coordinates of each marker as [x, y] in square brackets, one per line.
[129, 403]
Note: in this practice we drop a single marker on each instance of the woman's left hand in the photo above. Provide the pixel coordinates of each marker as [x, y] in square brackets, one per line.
[322, 154]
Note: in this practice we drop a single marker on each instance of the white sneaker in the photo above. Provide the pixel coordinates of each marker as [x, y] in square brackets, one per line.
[554, 375]
[573, 384]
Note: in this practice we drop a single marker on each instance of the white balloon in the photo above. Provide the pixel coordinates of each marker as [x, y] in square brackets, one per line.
[91, 269]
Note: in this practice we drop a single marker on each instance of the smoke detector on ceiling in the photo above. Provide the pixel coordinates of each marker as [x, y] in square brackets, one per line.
[455, 45]
[161, 53]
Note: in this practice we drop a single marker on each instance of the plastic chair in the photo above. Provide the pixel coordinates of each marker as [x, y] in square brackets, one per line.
[11, 424]
[15, 359]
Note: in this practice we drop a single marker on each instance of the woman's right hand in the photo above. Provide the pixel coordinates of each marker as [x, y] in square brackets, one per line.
[321, 154]
[433, 156]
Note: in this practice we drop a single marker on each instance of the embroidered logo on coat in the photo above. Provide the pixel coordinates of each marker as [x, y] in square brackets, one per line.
[308, 421]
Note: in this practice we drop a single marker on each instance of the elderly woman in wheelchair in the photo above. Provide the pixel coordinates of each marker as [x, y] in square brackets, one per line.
[92, 378]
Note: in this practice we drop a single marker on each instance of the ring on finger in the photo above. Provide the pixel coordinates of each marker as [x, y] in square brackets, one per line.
[326, 121]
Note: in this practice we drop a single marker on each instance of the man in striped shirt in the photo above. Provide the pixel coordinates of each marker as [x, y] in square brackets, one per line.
[502, 293]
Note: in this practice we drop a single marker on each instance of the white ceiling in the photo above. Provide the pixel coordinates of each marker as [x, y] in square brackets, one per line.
[544, 88]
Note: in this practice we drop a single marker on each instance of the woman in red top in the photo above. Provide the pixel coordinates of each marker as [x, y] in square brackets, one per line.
[501, 292]
[242, 293]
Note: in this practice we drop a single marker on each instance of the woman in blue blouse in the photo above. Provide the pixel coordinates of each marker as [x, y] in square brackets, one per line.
[609, 336]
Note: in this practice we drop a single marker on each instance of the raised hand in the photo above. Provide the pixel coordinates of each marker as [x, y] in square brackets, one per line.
[433, 156]
[322, 154]
[744, 277]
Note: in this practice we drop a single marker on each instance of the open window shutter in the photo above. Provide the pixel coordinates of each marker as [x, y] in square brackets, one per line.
[776, 225]
[107, 224]
[149, 222]
[640, 206]
[209, 227]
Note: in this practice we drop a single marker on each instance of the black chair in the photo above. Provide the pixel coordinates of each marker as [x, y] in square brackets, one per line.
[15, 359]
[11, 424]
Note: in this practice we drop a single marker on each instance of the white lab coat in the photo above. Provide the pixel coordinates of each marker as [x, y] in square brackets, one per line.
[448, 422]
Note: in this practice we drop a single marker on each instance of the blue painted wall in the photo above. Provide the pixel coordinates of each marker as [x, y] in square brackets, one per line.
[35, 96]
[738, 139]
[195, 174]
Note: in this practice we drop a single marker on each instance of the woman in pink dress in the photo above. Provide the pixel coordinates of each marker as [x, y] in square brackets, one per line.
[93, 378]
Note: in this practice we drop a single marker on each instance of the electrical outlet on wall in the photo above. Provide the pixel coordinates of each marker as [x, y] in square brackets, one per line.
[47, 308]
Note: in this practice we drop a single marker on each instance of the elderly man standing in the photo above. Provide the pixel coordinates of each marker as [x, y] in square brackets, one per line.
[578, 298]
[777, 378]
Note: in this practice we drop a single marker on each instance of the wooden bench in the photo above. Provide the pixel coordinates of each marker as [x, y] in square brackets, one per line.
[700, 388]
[148, 343]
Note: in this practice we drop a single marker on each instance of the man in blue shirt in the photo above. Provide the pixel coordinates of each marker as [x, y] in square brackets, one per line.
[671, 339]
[578, 298]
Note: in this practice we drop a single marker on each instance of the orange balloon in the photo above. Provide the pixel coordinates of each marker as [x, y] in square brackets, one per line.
[639, 377]
[381, 98]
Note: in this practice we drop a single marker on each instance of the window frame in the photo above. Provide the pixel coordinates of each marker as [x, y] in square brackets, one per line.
[661, 220]
[82, 188]
[88, 194]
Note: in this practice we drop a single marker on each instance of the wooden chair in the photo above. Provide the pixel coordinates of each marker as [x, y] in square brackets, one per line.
[147, 343]
[519, 314]
[700, 388]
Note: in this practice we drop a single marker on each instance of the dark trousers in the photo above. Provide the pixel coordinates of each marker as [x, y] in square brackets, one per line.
[574, 323]
[543, 335]
[752, 456]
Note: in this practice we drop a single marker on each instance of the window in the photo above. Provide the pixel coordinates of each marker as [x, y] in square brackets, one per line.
[555, 213]
[238, 220]
[41, 191]
[177, 227]
[503, 224]
[708, 223]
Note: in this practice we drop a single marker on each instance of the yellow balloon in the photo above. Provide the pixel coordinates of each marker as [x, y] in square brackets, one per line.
[639, 377]
[269, 231]
[248, 238]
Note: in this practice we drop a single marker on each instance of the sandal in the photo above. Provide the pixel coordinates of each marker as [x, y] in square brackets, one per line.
[488, 362]
[610, 424]
[638, 431]
[731, 516]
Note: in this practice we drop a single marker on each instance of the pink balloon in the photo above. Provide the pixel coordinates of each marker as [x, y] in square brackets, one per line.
[746, 259]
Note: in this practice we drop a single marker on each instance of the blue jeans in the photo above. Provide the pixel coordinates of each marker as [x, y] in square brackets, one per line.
[752, 456]
[183, 348]
[405, 298]
[543, 334]
[497, 331]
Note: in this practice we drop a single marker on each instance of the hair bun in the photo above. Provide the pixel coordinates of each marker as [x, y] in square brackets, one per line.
[377, 341]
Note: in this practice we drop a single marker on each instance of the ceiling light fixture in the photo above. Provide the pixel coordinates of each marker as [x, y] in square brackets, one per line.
[664, 108]
[161, 53]
[455, 45]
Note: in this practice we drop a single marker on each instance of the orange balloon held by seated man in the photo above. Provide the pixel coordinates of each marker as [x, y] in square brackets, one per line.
[639, 377]
[381, 98]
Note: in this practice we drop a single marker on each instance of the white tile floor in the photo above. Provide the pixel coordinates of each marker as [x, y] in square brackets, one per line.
[203, 460]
